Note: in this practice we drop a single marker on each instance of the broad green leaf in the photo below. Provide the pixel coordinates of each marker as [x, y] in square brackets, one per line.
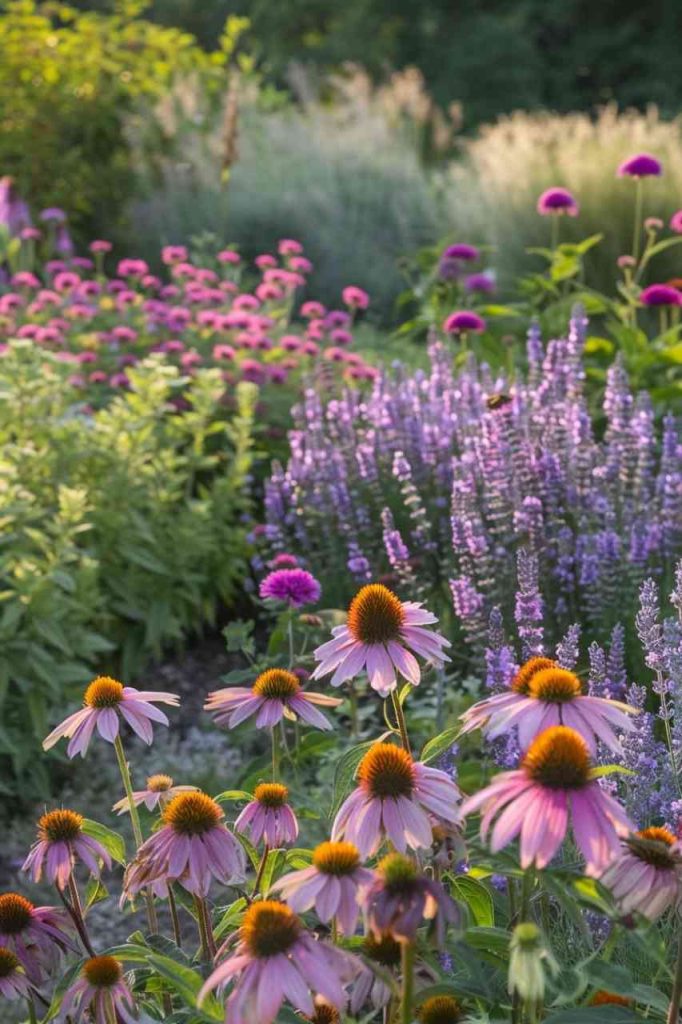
[477, 898]
[345, 773]
[593, 1015]
[439, 744]
[187, 983]
[112, 842]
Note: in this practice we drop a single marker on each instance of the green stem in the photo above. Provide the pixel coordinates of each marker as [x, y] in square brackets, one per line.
[78, 916]
[32, 1016]
[261, 869]
[354, 721]
[275, 753]
[137, 828]
[402, 726]
[554, 235]
[407, 963]
[638, 218]
[172, 906]
[201, 922]
[290, 635]
[109, 1009]
[676, 997]
[526, 891]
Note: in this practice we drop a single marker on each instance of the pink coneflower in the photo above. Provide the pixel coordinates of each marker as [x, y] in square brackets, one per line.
[463, 321]
[646, 875]
[132, 268]
[557, 201]
[160, 791]
[105, 700]
[36, 935]
[295, 587]
[401, 899]
[393, 801]
[543, 694]
[275, 694]
[192, 847]
[555, 776]
[229, 256]
[14, 983]
[100, 989]
[380, 633]
[61, 844]
[355, 298]
[277, 959]
[334, 884]
[661, 295]
[676, 222]
[642, 165]
[268, 816]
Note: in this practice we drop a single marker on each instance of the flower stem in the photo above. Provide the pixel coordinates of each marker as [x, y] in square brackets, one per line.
[76, 909]
[275, 753]
[554, 237]
[290, 636]
[172, 906]
[676, 997]
[407, 963]
[208, 947]
[261, 869]
[402, 726]
[638, 218]
[137, 828]
[32, 1016]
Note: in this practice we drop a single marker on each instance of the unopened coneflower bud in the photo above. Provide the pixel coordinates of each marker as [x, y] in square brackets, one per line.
[529, 960]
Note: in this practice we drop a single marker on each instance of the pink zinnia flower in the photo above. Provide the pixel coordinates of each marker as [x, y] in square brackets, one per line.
[543, 694]
[14, 983]
[275, 694]
[379, 636]
[100, 989]
[295, 587]
[642, 165]
[462, 321]
[61, 843]
[276, 959]
[105, 700]
[334, 884]
[393, 801]
[646, 875]
[36, 935]
[555, 777]
[160, 791]
[401, 899]
[268, 816]
[557, 201]
[355, 297]
[192, 847]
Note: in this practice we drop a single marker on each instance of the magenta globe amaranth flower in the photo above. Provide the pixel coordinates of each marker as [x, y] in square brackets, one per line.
[661, 295]
[295, 587]
[641, 165]
[557, 201]
[461, 251]
[463, 321]
[484, 283]
[676, 222]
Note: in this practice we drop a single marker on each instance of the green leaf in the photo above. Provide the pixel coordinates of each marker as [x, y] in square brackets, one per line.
[593, 1015]
[593, 345]
[439, 744]
[112, 842]
[477, 898]
[610, 769]
[186, 982]
[232, 794]
[345, 773]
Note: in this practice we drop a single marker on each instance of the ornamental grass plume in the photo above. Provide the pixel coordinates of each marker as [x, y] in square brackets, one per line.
[646, 874]
[61, 844]
[533, 802]
[192, 847]
[277, 959]
[541, 695]
[275, 694]
[379, 636]
[335, 884]
[393, 801]
[106, 701]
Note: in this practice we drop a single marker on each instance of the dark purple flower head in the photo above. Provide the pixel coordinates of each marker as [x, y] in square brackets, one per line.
[557, 200]
[296, 587]
[676, 222]
[641, 165]
[484, 283]
[464, 320]
[661, 295]
[461, 251]
[401, 899]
